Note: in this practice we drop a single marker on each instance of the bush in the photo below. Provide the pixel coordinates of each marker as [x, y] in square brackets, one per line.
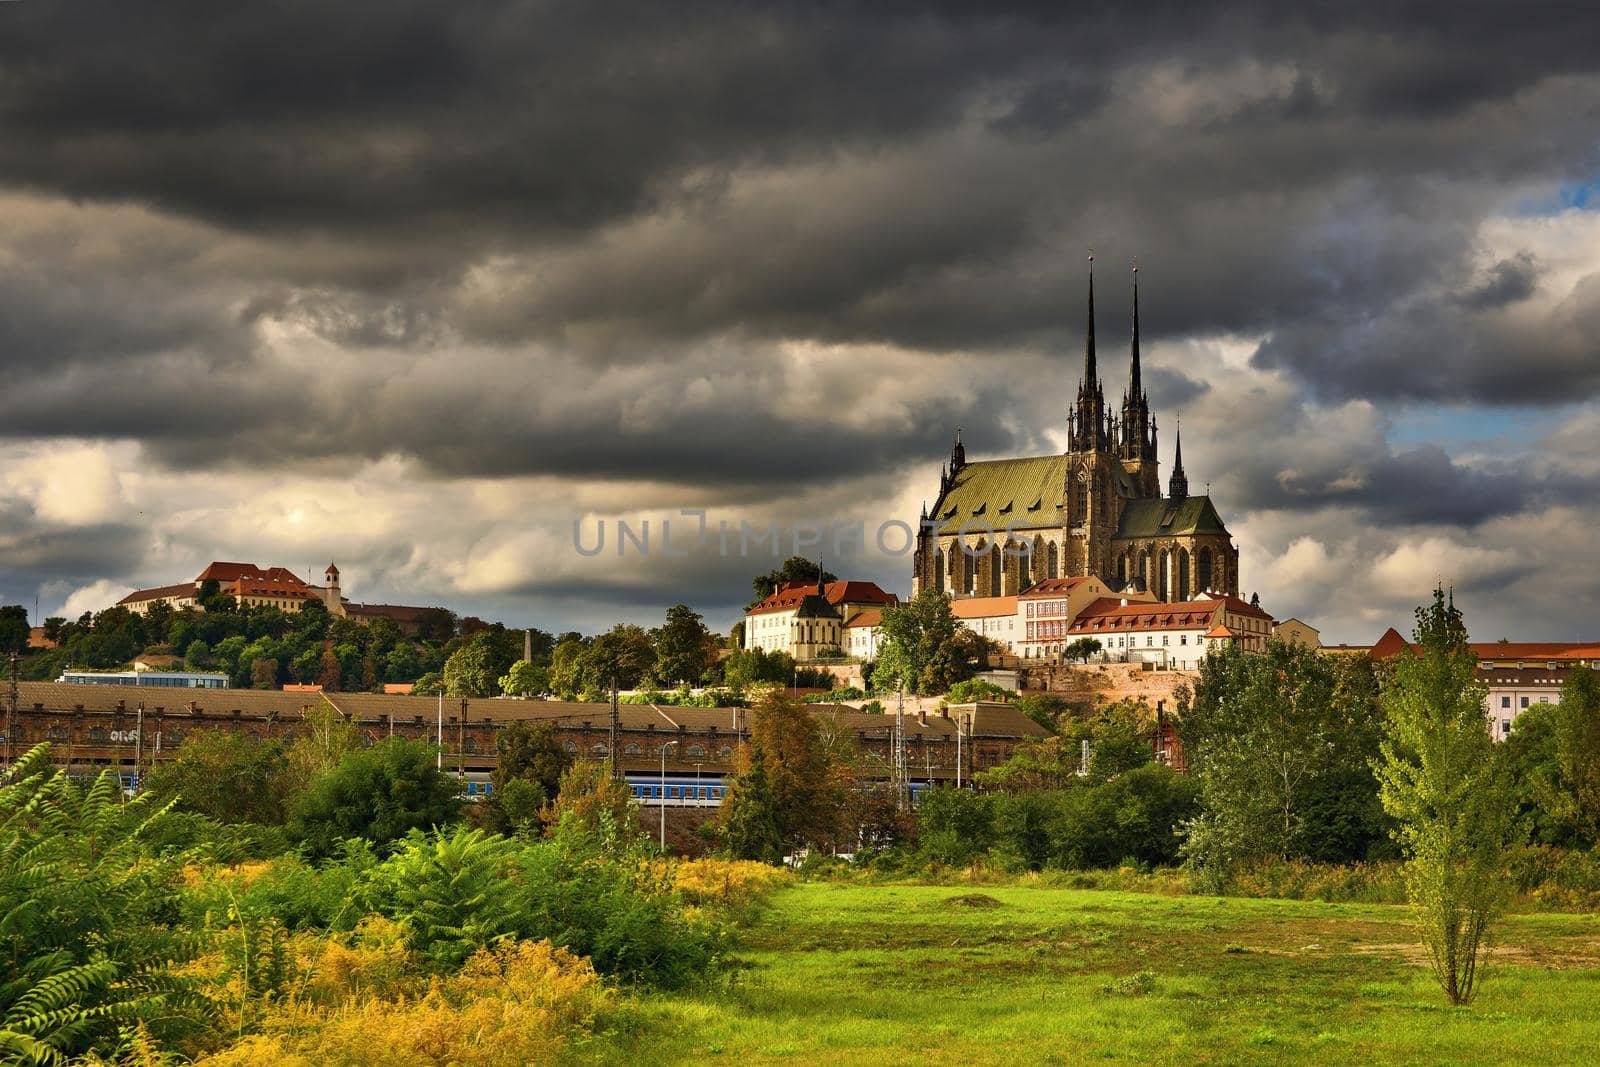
[381, 794]
[89, 920]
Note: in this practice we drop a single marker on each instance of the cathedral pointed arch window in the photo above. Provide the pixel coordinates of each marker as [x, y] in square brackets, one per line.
[1183, 574]
[1206, 581]
[938, 570]
[1053, 561]
[996, 571]
[1122, 570]
[1162, 576]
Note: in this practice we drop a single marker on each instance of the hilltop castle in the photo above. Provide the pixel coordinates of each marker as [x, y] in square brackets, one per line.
[998, 526]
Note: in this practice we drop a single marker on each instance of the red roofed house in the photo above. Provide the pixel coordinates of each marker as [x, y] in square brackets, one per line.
[806, 619]
[276, 587]
[1175, 635]
[1519, 675]
[1045, 612]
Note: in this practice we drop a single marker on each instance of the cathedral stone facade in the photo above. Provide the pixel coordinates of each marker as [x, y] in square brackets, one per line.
[998, 526]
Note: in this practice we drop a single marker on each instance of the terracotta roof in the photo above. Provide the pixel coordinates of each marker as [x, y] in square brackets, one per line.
[865, 617]
[983, 607]
[397, 612]
[1108, 613]
[1052, 587]
[231, 572]
[1242, 607]
[1220, 630]
[996, 721]
[139, 596]
[277, 587]
[1391, 643]
[790, 596]
[1535, 650]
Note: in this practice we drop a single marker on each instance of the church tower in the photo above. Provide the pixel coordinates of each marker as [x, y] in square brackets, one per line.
[1093, 504]
[1180, 483]
[1137, 444]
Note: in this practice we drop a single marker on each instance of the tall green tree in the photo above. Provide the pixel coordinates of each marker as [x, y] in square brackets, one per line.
[921, 649]
[808, 779]
[749, 821]
[225, 775]
[1267, 734]
[525, 679]
[685, 648]
[380, 794]
[1578, 746]
[623, 653]
[1445, 784]
[474, 669]
[13, 628]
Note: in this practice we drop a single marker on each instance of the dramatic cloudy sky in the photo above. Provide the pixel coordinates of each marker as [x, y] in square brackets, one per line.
[416, 286]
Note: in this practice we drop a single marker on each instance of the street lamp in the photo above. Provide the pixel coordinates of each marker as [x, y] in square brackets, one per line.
[663, 797]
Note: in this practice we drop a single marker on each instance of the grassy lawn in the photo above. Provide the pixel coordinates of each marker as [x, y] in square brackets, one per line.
[933, 974]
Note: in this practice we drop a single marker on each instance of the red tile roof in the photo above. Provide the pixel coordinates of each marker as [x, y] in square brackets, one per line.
[275, 587]
[865, 617]
[1242, 607]
[1391, 643]
[1108, 613]
[1052, 587]
[983, 607]
[138, 596]
[231, 572]
[788, 597]
[397, 612]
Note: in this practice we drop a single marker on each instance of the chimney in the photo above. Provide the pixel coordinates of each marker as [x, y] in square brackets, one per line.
[922, 716]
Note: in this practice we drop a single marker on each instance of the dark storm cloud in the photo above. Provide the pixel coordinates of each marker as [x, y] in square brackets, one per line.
[587, 240]
[36, 551]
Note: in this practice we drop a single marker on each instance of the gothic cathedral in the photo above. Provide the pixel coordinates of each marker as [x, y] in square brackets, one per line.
[998, 526]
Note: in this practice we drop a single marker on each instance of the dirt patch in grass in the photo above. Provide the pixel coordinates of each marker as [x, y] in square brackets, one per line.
[973, 900]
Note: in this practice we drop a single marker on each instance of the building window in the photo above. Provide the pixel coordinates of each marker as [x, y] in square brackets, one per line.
[1505, 702]
[1524, 701]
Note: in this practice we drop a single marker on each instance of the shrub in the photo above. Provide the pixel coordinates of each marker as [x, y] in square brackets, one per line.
[89, 925]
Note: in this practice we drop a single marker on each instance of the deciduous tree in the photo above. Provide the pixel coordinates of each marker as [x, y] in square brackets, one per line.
[1446, 786]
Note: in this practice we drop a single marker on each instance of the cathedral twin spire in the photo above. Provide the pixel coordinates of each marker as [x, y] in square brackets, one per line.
[1090, 429]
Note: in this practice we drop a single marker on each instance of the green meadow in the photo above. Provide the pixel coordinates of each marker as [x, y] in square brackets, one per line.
[848, 973]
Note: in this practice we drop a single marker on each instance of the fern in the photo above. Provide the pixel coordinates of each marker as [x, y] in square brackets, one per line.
[89, 920]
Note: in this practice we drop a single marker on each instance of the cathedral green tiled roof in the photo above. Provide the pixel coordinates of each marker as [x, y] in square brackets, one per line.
[1161, 518]
[1022, 494]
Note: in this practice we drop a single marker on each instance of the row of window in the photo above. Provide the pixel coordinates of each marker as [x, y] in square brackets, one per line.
[633, 748]
[1505, 701]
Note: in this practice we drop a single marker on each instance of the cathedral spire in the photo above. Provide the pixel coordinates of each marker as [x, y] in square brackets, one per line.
[958, 454]
[1091, 376]
[1135, 387]
[820, 590]
[1179, 486]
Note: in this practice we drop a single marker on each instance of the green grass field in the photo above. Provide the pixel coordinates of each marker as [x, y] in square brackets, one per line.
[839, 973]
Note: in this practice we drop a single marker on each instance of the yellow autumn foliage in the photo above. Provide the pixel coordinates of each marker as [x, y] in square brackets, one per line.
[514, 1004]
[726, 885]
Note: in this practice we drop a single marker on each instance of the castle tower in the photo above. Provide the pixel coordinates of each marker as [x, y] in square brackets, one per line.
[330, 593]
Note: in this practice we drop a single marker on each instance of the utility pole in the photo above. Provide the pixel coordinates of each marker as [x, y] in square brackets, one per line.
[898, 769]
[138, 748]
[663, 798]
[611, 743]
[461, 742]
[11, 712]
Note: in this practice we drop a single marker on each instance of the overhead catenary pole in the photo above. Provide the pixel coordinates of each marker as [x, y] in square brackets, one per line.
[662, 799]
[899, 767]
[138, 747]
[438, 737]
[611, 737]
[11, 712]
